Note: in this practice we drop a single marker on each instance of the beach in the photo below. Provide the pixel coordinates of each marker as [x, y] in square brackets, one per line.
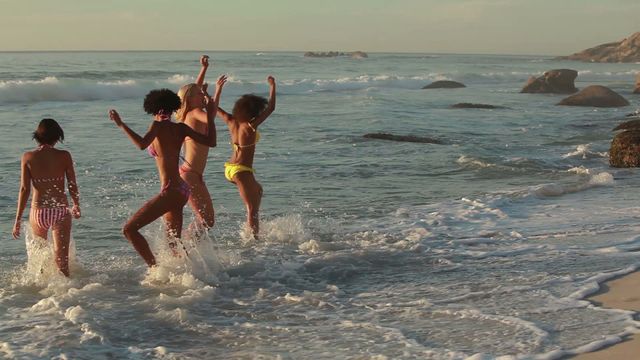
[485, 241]
[622, 293]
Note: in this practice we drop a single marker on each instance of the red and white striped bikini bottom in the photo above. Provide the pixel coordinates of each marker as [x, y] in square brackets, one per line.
[47, 217]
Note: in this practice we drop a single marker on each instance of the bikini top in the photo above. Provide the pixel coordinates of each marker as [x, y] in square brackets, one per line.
[206, 131]
[46, 180]
[237, 147]
[150, 149]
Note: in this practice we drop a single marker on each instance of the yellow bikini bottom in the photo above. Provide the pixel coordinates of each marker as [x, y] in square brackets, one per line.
[230, 170]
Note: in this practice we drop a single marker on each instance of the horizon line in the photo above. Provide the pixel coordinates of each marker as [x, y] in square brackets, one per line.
[266, 51]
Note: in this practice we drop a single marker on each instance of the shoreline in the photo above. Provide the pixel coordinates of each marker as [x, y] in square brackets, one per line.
[619, 293]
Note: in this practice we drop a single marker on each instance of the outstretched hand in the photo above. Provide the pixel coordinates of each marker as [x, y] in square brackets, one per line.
[113, 115]
[220, 83]
[204, 60]
[271, 80]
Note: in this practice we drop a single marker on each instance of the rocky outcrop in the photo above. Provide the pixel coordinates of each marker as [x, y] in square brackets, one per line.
[404, 138]
[628, 125]
[559, 81]
[444, 84]
[475, 106]
[625, 148]
[331, 54]
[637, 90]
[595, 96]
[359, 55]
[627, 50]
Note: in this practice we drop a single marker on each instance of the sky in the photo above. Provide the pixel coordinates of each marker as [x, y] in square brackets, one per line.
[543, 27]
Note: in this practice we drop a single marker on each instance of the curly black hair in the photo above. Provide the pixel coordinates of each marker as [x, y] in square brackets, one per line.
[161, 101]
[249, 106]
[48, 132]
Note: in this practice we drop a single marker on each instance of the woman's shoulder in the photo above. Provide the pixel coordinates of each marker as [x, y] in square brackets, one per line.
[61, 152]
[28, 155]
[197, 114]
[62, 155]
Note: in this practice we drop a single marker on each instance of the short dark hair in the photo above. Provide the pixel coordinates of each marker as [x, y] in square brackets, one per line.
[161, 101]
[48, 132]
[249, 106]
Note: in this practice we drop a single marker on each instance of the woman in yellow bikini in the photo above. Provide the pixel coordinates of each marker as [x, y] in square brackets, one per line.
[248, 113]
[193, 114]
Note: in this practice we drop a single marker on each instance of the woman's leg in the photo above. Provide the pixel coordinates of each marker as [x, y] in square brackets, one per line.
[173, 224]
[150, 211]
[200, 199]
[61, 232]
[251, 193]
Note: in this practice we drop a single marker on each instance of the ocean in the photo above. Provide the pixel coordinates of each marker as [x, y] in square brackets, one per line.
[484, 246]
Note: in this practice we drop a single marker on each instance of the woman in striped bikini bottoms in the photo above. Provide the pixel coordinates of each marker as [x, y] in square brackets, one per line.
[45, 170]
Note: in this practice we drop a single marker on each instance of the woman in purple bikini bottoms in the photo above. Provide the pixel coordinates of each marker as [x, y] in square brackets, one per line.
[44, 170]
[163, 141]
[195, 155]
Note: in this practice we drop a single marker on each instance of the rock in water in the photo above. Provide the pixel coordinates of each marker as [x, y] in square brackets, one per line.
[359, 55]
[628, 125]
[637, 90]
[475, 106]
[331, 54]
[627, 50]
[404, 138]
[625, 149]
[559, 81]
[444, 84]
[596, 96]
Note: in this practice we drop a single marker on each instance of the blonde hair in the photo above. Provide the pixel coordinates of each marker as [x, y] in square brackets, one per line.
[185, 94]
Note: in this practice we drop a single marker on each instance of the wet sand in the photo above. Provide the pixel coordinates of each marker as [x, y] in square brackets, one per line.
[621, 293]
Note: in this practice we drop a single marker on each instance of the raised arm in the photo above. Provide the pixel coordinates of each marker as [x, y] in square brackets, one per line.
[222, 79]
[23, 195]
[204, 61]
[225, 116]
[139, 141]
[72, 185]
[271, 106]
[210, 138]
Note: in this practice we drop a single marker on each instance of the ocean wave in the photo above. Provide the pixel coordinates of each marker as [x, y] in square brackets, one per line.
[52, 88]
[609, 73]
[362, 82]
[468, 161]
[583, 152]
[554, 189]
[580, 170]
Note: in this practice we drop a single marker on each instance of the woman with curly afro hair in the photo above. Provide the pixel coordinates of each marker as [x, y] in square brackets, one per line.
[248, 113]
[163, 141]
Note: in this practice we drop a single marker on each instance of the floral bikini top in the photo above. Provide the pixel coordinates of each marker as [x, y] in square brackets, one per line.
[46, 180]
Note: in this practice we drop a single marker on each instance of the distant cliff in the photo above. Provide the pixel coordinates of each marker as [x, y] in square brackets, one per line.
[627, 50]
[354, 55]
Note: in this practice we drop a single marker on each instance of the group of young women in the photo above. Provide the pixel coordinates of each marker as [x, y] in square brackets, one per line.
[46, 168]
